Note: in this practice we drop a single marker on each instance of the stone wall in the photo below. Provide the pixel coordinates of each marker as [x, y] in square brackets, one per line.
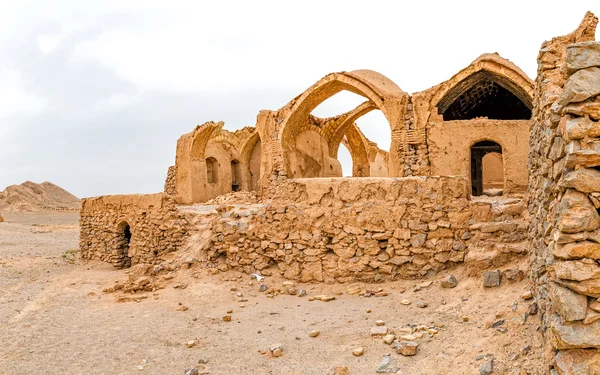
[564, 187]
[155, 225]
[369, 229]
[171, 182]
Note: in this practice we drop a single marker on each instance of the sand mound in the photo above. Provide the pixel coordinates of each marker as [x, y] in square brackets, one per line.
[30, 196]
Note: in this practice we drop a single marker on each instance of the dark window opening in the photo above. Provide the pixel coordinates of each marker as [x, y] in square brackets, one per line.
[485, 95]
[478, 151]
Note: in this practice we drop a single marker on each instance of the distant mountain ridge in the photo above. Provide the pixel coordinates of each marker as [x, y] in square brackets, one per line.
[30, 196]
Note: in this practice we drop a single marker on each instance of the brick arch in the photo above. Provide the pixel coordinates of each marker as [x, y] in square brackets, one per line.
[358, 146]
[338, 128]
[487, 66]
[378, 89]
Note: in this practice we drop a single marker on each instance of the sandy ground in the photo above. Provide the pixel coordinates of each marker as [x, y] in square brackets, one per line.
[55, 319]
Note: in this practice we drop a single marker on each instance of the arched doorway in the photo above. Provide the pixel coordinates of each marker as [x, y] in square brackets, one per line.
[236, 175]
[478, 175]
[123, 242]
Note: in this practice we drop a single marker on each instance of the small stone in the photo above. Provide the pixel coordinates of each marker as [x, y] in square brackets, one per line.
[140, 367]
[302, 293]
[465, 318]
[387, 366]
[314, 333]
[358, 351]
[339, 370]
[492, 279]
[433, 331]
[368, 311]
[227, 318]
[487, 368]
[380, 322]
[407, 348]
[388, 339]
[202, 361]
[324, 298]
[408, 337]
[229, 311]
[449, 282]
[527, 295]
[425, 284]
[190, 343]
[422, 304]
[405, 302]
[263, 288]
[498, 323]
[191, 371]
[379, 331]
[276, 350]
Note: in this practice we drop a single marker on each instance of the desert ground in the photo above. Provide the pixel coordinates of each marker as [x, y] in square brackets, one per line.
[56, 319]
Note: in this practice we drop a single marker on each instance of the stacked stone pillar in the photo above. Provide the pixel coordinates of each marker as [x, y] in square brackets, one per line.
[564, 203]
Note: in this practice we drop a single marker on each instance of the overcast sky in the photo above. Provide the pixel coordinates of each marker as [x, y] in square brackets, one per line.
[94, 94]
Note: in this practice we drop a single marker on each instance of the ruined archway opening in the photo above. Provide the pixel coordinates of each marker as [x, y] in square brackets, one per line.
[487, 169]
[485, 94]
[123, 243]
[344, 119]
[212, 170]
[236, 175]
[345, 159]
[375, 130]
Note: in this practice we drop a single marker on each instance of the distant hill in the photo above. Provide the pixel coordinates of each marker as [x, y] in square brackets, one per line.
[30, 196]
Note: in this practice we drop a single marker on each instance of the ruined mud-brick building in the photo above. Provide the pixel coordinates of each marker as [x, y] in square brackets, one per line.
[483, 168]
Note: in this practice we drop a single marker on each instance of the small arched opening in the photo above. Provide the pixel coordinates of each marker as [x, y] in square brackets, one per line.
[487, 168]
[236, 175]
[123, 244]
[212, 170]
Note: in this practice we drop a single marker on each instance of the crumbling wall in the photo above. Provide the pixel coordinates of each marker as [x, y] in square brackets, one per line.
[564, 186]
[370, 229]
[171, 182]
[155, 225]
[208, 143]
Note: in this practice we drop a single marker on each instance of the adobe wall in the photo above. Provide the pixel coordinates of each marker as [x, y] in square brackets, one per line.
[449, 145]
[156, 226]
[211, 141]
[565, 186]
[369, 229]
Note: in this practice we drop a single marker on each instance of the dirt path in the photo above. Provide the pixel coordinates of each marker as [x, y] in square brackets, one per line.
[54, 319]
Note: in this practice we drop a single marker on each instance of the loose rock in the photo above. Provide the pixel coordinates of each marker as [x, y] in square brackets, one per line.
[358, 351]
[449, 282]
[492, 279]
[387, 366]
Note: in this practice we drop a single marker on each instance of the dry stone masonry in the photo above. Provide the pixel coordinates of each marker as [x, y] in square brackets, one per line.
[564, 185]
[132, 229]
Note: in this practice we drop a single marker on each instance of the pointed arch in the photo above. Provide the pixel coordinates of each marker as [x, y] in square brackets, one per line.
[378, 89]
[490, 74]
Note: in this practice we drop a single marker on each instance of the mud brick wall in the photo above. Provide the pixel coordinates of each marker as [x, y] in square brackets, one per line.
[564, 188]
[343, 230]
[155, 226]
